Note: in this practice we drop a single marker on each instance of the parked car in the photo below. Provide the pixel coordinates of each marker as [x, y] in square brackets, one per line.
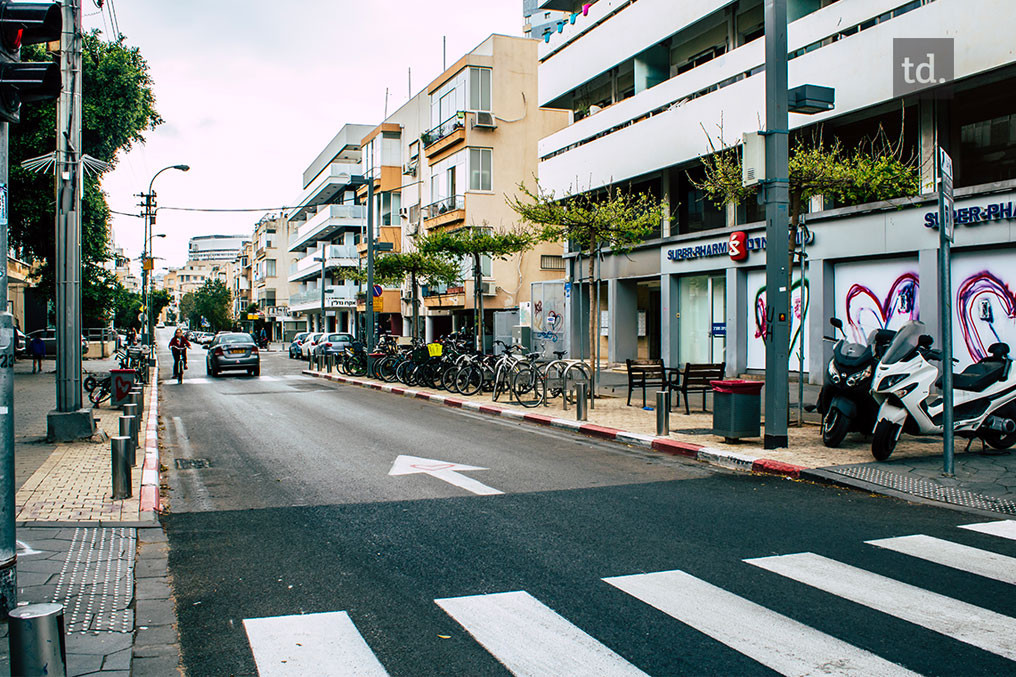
[333, 344]
[49, 340]
[231, 351]
[308, 345]
[294, 346]
[20, 342]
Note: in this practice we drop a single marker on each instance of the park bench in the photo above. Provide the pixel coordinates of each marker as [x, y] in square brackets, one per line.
[696, 378]
[649, 373]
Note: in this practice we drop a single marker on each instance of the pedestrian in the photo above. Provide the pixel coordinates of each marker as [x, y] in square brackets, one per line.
[37, 349]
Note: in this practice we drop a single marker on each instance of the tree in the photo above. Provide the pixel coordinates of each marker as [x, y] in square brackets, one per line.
[187, 309]
[118, 107]
[211, 303]
[158, 299]
[612, 219]
[473, 243]
[431, 268]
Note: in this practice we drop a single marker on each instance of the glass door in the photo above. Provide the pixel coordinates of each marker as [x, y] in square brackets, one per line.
[702, 325]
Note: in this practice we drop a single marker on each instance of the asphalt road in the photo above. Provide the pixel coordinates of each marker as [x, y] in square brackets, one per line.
[283, 506]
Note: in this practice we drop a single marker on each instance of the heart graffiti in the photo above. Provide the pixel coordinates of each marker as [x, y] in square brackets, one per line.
[866, 310]
[976, 300]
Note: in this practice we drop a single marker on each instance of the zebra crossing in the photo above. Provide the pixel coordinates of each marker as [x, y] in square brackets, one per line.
[529, 638]
[204, 380]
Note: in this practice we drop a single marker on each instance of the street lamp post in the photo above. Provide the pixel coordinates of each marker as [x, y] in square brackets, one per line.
[149, 205]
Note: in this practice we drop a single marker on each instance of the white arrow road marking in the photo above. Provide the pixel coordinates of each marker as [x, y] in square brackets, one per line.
[310, 644]
[24, 549]
[442, 470]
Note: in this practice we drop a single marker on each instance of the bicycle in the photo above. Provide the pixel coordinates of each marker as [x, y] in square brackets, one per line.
[179, 363]
[99, 389]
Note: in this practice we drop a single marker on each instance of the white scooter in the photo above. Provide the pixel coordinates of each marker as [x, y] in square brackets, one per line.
[984, 394]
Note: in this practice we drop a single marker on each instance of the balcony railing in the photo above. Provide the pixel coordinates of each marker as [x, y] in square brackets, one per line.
[446, 128]
[448, 204]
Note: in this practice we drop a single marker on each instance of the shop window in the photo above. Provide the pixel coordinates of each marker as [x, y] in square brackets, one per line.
[988, 150]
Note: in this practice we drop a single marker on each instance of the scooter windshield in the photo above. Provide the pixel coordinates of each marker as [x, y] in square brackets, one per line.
[905, 343]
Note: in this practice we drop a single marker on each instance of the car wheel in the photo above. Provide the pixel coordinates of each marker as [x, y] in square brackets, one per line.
[256, 371]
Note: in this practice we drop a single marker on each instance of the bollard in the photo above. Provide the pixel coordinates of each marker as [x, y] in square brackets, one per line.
[118, 447]
[127, 424]
[662, 413]
[331, 362]
[581, 401]
[37, 640]
[138, 398]
[132, 410]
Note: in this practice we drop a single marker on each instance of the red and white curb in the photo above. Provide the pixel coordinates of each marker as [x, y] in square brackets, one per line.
[665, 445]
[150, 503]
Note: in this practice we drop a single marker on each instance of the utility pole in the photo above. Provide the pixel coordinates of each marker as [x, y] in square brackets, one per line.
[369, 302]
[324, 258]
[777, 198]
[69, 421]
[8, 542]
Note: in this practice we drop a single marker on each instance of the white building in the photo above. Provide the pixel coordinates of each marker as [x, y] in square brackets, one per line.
[215, 247]
[647, 80]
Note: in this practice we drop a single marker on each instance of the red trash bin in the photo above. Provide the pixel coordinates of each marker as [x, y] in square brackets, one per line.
[121, 382]
[737, 408]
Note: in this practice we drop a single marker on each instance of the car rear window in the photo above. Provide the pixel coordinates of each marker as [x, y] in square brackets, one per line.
[340, 338]
[236, 338]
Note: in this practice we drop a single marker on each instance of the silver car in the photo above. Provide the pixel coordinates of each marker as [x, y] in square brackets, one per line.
[230, 351]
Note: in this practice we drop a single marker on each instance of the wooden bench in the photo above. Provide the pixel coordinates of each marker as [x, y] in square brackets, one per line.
[696, 378]
[648, 373]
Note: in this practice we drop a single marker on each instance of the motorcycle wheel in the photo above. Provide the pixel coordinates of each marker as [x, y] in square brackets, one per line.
[997, 439]
[835, 427]
[884, 440]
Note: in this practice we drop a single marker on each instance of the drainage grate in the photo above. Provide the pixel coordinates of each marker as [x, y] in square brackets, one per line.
[927, 489]
[96, 582]
[192, 463]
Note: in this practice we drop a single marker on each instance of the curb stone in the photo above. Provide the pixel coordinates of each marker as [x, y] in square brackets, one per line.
[150, 500]
[665, 445]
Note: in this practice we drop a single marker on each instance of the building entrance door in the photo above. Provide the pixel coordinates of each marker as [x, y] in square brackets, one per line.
[702, 336]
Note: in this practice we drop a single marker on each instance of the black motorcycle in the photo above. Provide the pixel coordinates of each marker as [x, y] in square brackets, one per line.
[845, 400]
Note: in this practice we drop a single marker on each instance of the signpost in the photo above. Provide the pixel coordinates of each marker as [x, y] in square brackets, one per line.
[945, 235]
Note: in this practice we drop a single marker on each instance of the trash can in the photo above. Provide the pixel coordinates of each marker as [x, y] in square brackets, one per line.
[737, 409]
[121, 382]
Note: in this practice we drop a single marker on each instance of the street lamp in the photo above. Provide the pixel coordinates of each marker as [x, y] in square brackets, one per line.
[146, 264]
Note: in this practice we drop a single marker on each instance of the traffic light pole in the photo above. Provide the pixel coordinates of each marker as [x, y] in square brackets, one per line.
[8, 544]
[369, 302]
[69, 421]
[777, 199]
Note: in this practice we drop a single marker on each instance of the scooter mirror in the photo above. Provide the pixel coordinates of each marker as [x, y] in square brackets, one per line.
[836, 322]
[925, 341]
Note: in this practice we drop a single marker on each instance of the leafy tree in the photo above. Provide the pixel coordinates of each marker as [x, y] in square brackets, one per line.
[188, 310]
[418, 267]
[158, 299]
[473, 243]
[118, 107]
[211, 302]
[126, 307]
[613, 219]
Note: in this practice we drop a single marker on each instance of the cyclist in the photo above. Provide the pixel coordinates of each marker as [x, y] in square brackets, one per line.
[179, 345]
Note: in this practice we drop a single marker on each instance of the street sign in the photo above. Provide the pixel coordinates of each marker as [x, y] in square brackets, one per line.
[252, 316]
[149, 263]
[945, 190]
[378, 290]
[141, 317]
[379, 304]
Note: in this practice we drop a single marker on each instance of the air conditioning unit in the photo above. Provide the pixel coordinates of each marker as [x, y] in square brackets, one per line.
[410, 169]
[404, 212]
[484, 120]
[488, 288]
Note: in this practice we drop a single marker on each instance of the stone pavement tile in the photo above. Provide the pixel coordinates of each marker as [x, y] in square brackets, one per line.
[152, 588]
[151, 567]
[152, 536]
[155, 612]
[154, 637]
[99, 644]
[156, 666]
[154, 650]
[121, 660]
[83, 663]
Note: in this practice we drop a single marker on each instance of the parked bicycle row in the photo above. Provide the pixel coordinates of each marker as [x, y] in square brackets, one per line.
[134, 357]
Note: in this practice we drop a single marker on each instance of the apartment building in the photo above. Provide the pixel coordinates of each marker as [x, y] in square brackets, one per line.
[648, 79]
[269, 275]
[322, 232]
[238, 278]
[121, 268]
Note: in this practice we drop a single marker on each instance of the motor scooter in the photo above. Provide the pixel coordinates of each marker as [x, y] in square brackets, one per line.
[984, 394]
[845, 400]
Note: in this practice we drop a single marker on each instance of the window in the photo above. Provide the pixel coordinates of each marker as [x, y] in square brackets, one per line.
[479, 89]
[270, 267]
[551, 262]
[480, 169]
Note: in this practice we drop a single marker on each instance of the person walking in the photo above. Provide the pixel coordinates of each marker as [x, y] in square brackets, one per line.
[37, 349]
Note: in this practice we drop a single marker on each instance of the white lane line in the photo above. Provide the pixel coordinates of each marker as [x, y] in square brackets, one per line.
[296, 377]
[955, 555]
[967, 623]
[200, 380]
[530, 639]
[310, 644]
[776, 641]
[1002, 529]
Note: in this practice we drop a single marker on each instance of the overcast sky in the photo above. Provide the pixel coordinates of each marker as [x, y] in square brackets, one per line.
[252, 90]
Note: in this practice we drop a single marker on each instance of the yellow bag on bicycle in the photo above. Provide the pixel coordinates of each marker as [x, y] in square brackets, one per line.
[435, 349]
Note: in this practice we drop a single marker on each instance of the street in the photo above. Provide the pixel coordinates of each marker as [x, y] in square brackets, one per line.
[553, 554]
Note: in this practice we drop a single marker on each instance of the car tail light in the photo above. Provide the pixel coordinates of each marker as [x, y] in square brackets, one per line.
[328, 345]
[218, 351]
[254, 350]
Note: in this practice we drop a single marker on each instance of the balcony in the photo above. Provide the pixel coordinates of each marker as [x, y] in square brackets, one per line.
[445, 297]
[449, 133]
[443, 213]
[336, 296]
[391, 234]
[326, 187]
[338, 256]
[328, 221]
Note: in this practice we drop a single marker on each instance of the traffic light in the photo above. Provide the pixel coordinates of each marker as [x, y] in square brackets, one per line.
[26, 23]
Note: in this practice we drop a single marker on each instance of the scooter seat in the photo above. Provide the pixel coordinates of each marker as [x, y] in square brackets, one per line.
[979, 376]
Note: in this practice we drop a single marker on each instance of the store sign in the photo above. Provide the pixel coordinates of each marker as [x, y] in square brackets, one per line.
[737, 247]
[971, 216]
[340, 303]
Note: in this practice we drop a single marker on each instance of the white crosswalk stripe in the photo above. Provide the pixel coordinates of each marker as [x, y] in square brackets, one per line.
[1002, 529]
[954, 555]
[967, 623]
[203, 380]
[776, 641]
[310, 644]
[531, 639]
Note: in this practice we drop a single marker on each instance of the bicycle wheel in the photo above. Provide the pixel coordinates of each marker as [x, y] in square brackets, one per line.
[529, 386]
[358, 365]
[386, 368]
[89, 383]
[469, 380]
[100, 394]
[448, 377]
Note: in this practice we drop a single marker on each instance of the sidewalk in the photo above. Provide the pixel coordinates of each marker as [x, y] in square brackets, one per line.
[984, 483]
[104, 560]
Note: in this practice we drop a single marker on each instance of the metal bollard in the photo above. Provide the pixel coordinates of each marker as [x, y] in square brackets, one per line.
[118, 447]
[138, 398]
[662, 413]
[331, 362]
[581, 401]
[127, 424]
[132, 410]
[37, 640]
